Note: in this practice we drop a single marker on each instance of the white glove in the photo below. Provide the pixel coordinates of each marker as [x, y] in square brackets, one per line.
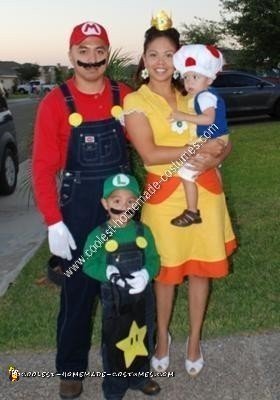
[138, 282]
[61, 240]
[113, 275]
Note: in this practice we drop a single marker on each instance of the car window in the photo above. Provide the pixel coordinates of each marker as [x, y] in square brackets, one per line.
[237, 80]
[221, 81]
[243, 80]
[3, 104]
[34, 82]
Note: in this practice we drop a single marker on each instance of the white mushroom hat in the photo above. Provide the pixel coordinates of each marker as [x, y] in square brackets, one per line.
[206, 60]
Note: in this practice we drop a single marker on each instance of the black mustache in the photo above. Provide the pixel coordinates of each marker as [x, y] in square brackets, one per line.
[117, 212]
[90, 65]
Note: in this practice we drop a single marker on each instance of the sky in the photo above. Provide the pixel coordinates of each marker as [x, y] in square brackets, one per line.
[38, 31]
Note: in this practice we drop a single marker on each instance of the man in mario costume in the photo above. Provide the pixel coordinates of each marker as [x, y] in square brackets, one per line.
[76, 135]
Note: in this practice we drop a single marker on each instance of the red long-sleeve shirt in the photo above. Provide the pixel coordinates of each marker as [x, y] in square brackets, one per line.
[52, 132]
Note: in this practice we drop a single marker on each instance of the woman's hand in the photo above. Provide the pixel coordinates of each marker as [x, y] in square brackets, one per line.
[205, 159]
[215, 147]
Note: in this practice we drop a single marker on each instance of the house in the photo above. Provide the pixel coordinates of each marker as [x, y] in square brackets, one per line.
[8, 74]
[47, 74]
[51, 73]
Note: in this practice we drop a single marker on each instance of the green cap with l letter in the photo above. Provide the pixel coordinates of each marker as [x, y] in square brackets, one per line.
[120, 181]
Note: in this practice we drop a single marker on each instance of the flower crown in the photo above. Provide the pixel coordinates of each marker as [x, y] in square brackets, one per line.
[161, 21]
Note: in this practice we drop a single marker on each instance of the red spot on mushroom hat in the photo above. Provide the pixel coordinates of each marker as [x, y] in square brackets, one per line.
[206, 60]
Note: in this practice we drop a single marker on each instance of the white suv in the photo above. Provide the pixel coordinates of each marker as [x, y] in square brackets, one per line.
[35, 87]
[30, 87]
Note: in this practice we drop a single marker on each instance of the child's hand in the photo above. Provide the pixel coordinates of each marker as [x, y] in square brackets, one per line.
[177, 116]
[139, 281]
[113, 275]
[174, 116]
[171, 117]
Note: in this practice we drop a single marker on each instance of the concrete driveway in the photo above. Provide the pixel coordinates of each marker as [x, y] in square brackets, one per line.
[21, 231]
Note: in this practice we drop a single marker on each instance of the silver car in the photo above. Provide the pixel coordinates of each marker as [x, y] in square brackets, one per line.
[8, 150]
[247, 94]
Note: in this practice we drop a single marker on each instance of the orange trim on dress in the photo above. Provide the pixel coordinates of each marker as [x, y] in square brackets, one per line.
[209, 180]
[210, 269]
[166, 188]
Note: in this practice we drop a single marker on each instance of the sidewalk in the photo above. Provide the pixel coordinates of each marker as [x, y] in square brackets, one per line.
[21, 231]
[237, 368]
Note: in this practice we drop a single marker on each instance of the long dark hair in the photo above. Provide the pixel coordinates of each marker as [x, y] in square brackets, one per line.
[150, 35]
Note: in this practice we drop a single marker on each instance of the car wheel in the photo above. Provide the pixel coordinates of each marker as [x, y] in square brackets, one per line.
[276, 110]
[8, 174]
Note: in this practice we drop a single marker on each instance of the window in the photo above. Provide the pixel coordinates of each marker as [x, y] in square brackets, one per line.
[221, 81]
[237, 80]
[242, 80]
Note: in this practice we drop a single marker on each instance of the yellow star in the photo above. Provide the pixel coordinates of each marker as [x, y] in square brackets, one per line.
[133, 345]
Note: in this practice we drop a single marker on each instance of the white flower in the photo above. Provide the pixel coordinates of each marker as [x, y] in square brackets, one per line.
[144, 73]
[179, 126]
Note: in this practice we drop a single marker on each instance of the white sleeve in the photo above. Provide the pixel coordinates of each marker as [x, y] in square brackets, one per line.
[207, 100]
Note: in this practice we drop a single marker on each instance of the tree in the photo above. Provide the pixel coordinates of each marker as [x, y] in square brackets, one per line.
[61, 74]
[203, 31]
[119, 67]
[256, 25]
[28, 71]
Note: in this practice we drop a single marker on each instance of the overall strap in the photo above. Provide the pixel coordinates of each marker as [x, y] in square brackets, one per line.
[209, 90]
[139, 228]
[103, 227]
[114, 288]
[140, 232]
[115, 92]
[196, 104]
[68, 97]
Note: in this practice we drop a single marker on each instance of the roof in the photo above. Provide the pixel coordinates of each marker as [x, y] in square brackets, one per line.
[8, 68]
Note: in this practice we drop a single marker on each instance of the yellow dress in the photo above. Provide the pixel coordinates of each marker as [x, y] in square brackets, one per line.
[200, 249]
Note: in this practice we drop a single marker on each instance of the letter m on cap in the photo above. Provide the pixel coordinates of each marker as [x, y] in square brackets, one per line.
[91, 28]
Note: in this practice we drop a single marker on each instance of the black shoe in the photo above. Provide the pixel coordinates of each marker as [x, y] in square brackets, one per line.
[151, 388]
[187, 218]
[70, 389]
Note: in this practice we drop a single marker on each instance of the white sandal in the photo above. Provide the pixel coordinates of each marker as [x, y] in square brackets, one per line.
[161, 364]
[193, 368]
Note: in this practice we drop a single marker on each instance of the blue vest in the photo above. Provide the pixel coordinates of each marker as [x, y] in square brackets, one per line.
[220, 116]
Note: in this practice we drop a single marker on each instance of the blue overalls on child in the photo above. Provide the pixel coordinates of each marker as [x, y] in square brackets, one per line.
[96, 150]
[127, 323]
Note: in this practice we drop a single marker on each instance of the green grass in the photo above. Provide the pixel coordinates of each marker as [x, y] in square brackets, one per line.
[246, 301]
[18, 96]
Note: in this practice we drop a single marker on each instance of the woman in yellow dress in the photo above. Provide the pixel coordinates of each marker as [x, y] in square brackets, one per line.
[198, 252]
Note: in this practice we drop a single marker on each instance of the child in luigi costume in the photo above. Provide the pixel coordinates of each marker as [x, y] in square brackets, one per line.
[121, 254]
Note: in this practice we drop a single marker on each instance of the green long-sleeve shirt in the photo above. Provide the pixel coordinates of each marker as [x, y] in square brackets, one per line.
[95, 253]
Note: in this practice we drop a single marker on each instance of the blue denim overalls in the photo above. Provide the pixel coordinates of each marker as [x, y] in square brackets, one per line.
[96, 150]
[119, 310]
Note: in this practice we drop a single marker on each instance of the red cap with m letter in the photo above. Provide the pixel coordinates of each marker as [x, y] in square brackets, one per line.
[88, 29]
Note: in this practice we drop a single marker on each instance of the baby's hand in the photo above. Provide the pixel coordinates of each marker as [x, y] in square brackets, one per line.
[171, 117]
[174, 116]
[177, 116]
